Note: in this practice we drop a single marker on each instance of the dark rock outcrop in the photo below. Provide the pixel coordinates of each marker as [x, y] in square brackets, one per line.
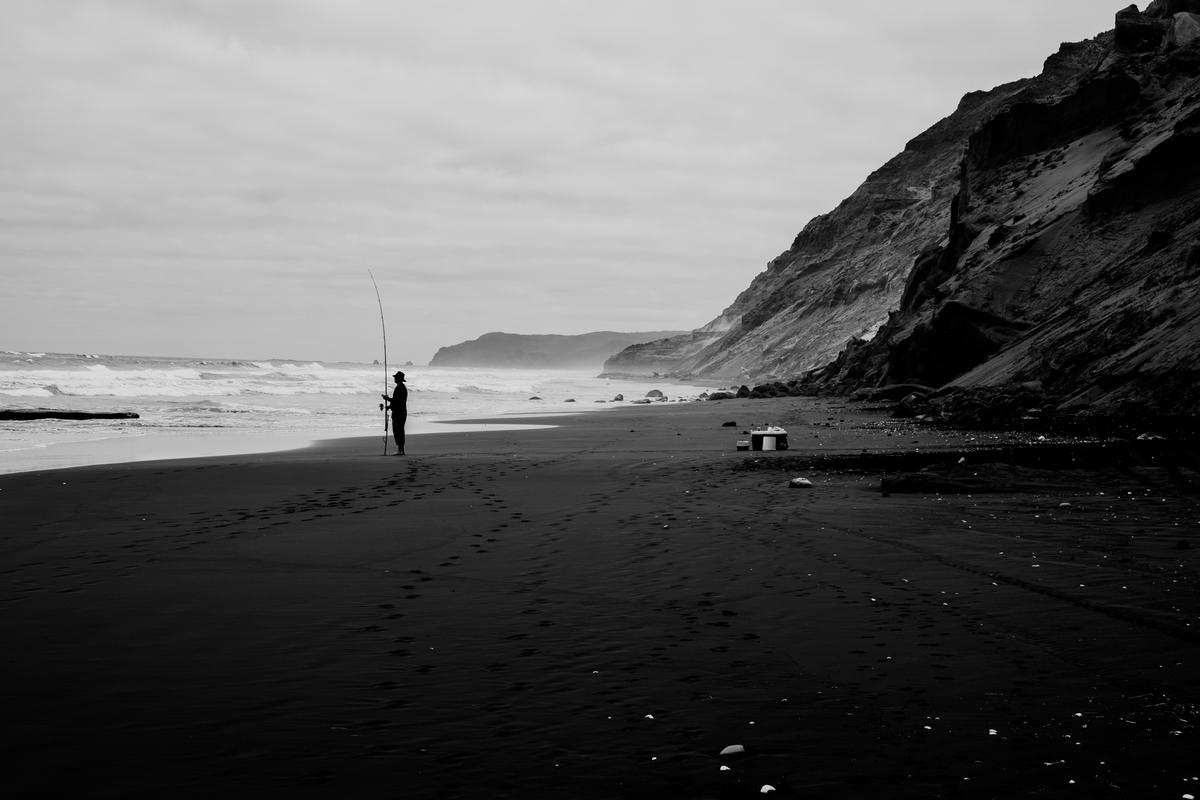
[1038, 127]
[1137, 32]
[954, 338]
[20, 414]
[1184, 30]
[1169, 8]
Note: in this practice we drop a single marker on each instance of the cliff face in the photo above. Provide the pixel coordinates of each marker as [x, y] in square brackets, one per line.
[1047, 230]
[846, 268]
[1072, 256]
[668, 355]
[514, 350]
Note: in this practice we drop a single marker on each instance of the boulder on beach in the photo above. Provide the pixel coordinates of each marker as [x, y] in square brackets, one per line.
[654, 393]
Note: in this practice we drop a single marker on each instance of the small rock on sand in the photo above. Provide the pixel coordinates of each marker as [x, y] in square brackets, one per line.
[800, 483]
[733, 750]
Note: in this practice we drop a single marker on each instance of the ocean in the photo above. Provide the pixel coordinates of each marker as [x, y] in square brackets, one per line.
[197, 407]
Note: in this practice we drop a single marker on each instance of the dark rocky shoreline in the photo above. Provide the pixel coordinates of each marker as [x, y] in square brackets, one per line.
[21, 414]
[1023, 407]
[1023, 466]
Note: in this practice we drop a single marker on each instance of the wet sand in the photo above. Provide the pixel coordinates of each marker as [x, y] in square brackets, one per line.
[596, 611]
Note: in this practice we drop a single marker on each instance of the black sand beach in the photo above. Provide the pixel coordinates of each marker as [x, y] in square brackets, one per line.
[596, 611]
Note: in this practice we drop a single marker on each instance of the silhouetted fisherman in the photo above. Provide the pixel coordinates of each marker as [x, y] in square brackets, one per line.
[398, 403]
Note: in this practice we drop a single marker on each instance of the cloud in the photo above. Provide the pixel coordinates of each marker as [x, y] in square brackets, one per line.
[540, 166]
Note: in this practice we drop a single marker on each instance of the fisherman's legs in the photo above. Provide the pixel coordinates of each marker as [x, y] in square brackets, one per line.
[398, 431]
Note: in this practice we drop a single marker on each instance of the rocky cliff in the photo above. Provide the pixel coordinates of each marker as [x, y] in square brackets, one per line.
[514, 350]
[1048, 230]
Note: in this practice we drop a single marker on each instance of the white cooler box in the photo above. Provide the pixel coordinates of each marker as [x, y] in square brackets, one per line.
[772, 438]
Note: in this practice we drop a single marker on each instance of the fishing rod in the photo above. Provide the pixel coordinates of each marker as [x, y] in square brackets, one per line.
[383, 325]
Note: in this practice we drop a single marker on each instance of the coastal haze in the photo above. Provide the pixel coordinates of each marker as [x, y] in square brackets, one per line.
[587, 351]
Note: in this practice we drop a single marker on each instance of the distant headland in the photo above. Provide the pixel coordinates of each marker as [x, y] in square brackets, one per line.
[542, 351]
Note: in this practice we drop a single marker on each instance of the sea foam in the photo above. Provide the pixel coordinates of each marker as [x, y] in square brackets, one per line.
[296, 399]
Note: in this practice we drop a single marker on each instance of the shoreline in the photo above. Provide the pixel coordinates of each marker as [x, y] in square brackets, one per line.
[252, 408]
[596, 610]
[119, 448]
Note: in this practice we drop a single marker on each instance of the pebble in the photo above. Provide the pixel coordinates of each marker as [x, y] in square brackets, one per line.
[733, 750]
[800, 483]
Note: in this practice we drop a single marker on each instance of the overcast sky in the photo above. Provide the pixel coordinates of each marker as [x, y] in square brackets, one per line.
[215, 177]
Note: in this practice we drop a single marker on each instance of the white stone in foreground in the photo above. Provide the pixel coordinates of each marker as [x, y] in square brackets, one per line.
[800, 483]
[733, 750]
